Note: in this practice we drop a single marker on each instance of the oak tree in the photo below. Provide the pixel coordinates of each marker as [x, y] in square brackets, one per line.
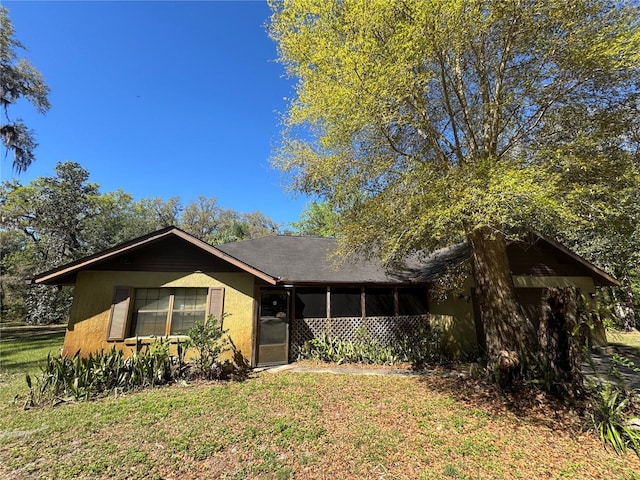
[427, 122]
[18, 80]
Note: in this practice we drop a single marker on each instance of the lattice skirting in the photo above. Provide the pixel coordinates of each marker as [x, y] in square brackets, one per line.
[384, 329]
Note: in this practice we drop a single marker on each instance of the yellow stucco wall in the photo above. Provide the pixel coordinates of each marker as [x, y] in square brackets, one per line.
[89, 316]
[454, 314]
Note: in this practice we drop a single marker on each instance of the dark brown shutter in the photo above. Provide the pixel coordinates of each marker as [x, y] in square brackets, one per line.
[216, 302]
[119, 313]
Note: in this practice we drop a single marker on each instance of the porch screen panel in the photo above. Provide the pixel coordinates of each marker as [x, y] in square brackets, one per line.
[345, 302]
[412, 301]
[189, 306]
[379, 302]
[151, 311]
[311, 302]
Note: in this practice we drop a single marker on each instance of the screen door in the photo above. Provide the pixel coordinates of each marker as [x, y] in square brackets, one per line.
[273, 327]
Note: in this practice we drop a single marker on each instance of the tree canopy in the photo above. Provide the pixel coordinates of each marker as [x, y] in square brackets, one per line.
[18, 80]
[317, 219]
[427, 122]
[57, 219]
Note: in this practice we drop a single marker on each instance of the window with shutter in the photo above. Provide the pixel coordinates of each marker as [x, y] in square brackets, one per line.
[167, 311]
[159, 312]
[119, 317]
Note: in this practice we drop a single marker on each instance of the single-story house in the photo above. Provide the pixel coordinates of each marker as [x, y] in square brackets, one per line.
[274, 293]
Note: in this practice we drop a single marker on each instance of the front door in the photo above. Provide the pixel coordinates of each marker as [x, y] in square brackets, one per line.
[273, 327]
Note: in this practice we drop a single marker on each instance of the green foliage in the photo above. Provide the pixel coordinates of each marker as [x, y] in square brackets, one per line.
[612, 411]
[327, 349]
[609, 416]
[20, 80]
[425, 123]
[205, 220]
[317, 219]
[100, 374]
[419, 348]
[210, 341]
[104, 373]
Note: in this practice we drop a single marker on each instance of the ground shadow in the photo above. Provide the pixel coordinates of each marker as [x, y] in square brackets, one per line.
[32, 332]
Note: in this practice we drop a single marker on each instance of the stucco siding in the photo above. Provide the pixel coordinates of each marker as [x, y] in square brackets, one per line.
[454, 315]
[89, 317]
[585, 284]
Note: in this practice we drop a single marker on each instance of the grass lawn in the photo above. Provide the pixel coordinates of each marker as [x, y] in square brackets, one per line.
[298, 425]
[628, 342]
[23, 348]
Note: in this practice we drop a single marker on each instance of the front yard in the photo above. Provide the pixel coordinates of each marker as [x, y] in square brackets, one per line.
[300, 425]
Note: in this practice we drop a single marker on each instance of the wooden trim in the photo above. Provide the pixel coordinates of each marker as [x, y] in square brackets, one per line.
[120, 314]
[256, 315]
[169, 320]
[396, 302]
[605, 278]
[223, 256]
[215, 303]
[50, 276]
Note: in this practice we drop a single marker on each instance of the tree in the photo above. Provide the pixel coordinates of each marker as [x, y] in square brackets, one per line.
[18, 79]
[205, 220]
[51, 221]
[317, 219]
[46, 220]
[424, 123]
[611, 236]
[201, 217]
[161, 213]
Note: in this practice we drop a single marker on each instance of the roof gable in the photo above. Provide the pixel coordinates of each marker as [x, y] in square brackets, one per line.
[169, 249]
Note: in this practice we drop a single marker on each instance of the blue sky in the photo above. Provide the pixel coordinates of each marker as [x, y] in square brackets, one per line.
[159, 98]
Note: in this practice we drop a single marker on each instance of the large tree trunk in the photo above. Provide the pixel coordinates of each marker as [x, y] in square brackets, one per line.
[508, 334]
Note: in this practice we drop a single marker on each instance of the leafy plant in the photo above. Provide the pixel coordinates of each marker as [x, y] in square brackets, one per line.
[612, 408]
[609, 416]
[421, 346]
[210, 341]
[101, 373]
[418, 347]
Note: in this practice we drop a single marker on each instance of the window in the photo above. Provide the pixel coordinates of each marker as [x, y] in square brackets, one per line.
[379, 302]
[161, 311]
[168, 311]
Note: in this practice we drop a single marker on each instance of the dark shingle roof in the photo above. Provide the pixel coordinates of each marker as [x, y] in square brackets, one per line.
[298, 259]
[291, 259]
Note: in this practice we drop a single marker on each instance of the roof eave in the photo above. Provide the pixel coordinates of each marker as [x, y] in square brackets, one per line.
[605, 280]
[51, 277]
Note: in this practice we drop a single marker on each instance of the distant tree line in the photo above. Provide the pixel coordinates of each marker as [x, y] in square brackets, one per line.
[54, 220]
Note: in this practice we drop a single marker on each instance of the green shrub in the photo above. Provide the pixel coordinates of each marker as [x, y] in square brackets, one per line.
[418, 347]
[103, 373]
[210, 341]
[422, 346]
[611, 421]
[611, 408]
